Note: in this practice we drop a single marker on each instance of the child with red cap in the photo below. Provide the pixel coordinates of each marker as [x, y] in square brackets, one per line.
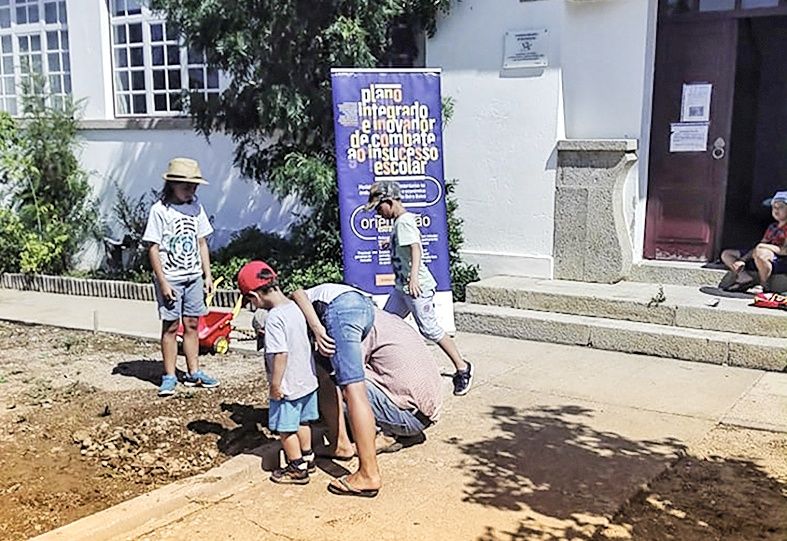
[290, 368]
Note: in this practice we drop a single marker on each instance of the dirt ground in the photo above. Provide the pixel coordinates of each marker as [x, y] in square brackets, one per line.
[81, 429]
[733, 487]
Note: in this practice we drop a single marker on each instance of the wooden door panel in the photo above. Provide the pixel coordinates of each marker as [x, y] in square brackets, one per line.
[686, 190]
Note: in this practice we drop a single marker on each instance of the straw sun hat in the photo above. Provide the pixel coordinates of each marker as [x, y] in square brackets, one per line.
[184, 170]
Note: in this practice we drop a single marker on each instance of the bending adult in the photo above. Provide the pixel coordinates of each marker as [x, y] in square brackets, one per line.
[403, 386]
[340, 317]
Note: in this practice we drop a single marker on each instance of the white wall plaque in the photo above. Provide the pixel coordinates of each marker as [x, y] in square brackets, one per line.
[526, 49]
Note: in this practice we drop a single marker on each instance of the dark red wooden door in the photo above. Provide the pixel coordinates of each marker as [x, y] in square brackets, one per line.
[686, 190]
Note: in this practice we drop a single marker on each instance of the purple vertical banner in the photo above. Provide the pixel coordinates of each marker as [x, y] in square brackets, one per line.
[389, 127]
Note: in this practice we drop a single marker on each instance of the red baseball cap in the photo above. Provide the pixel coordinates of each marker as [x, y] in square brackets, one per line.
[249, 276]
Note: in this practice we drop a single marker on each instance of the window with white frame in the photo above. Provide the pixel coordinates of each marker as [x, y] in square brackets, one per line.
[33, 48]
[153, 72]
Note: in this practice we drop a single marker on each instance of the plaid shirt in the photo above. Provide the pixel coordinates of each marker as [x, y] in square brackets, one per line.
[775, 234]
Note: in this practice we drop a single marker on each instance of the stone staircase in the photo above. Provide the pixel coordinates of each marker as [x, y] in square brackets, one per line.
[675, 321]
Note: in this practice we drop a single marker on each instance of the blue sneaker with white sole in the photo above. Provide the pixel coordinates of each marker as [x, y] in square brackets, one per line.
[200, 379]
[168, 385]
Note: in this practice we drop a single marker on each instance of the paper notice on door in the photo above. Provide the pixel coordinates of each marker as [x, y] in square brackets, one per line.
[688, 137]
[695, 104]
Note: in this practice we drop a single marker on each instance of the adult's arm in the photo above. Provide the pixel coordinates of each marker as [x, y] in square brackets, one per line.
[325, 344]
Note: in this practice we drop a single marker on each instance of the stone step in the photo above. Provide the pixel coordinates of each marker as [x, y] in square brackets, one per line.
[680, 273]
[683, 307]
[715, 347]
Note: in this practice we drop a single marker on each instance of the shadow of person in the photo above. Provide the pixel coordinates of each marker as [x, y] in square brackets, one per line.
[144, 369]
[247, 434]
[718, 292]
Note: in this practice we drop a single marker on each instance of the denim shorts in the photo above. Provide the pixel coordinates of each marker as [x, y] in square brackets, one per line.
[348, 319]
[288, 415]
[392, 420]
[189, 300]
[423, 311]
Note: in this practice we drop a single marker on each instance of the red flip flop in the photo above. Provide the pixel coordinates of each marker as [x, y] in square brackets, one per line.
[770, 300]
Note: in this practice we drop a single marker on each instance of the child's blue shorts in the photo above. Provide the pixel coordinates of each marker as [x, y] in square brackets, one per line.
[289, 415]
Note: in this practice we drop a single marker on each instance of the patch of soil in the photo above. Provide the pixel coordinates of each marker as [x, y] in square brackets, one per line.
[81, 427]
[735, 489]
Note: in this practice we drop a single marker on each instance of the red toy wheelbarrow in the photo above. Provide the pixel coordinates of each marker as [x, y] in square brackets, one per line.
[214, 327]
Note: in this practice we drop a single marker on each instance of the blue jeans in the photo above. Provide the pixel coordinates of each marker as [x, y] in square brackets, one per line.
[391, 419]
[348, 319]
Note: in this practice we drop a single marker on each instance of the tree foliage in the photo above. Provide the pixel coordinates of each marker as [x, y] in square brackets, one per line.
[277, 106]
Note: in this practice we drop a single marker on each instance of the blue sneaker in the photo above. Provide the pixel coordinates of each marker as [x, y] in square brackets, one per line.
[200, 379]
[168, 385]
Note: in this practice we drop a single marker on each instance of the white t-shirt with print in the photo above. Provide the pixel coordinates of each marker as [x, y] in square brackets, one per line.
[177, 235]
[285, 332]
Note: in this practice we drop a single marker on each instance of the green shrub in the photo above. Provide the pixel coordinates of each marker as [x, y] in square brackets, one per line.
[12, 231]
[47, 191]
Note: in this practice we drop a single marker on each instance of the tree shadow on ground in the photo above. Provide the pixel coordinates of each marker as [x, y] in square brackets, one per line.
[148, 370]
[570, 479]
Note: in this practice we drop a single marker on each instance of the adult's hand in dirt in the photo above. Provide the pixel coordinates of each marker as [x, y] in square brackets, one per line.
[325, 344]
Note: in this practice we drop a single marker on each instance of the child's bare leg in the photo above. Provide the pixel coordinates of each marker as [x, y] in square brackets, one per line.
[448, 345]
[290, 442]
[169, 346]
[191, 343]
[763, 259]
[305, 438]
[729, 257]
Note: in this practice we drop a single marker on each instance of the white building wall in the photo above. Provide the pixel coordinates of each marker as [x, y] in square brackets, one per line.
[136, 159]
[501, 141]
[608, 78]
[500, 144]
[117, 150]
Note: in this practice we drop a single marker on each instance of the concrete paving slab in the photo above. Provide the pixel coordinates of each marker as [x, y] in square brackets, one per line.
[542, 466]
[635, 381]
[764, 407]
[550, 441]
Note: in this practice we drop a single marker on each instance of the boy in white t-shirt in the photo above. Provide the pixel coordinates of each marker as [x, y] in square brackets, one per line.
[290, 368]
[414, 285]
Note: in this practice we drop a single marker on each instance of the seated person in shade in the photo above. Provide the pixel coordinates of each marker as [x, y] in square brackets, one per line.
[402, 382]
[751, 270]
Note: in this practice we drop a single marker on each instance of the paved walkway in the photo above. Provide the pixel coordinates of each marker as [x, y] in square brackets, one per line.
[551, 440]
